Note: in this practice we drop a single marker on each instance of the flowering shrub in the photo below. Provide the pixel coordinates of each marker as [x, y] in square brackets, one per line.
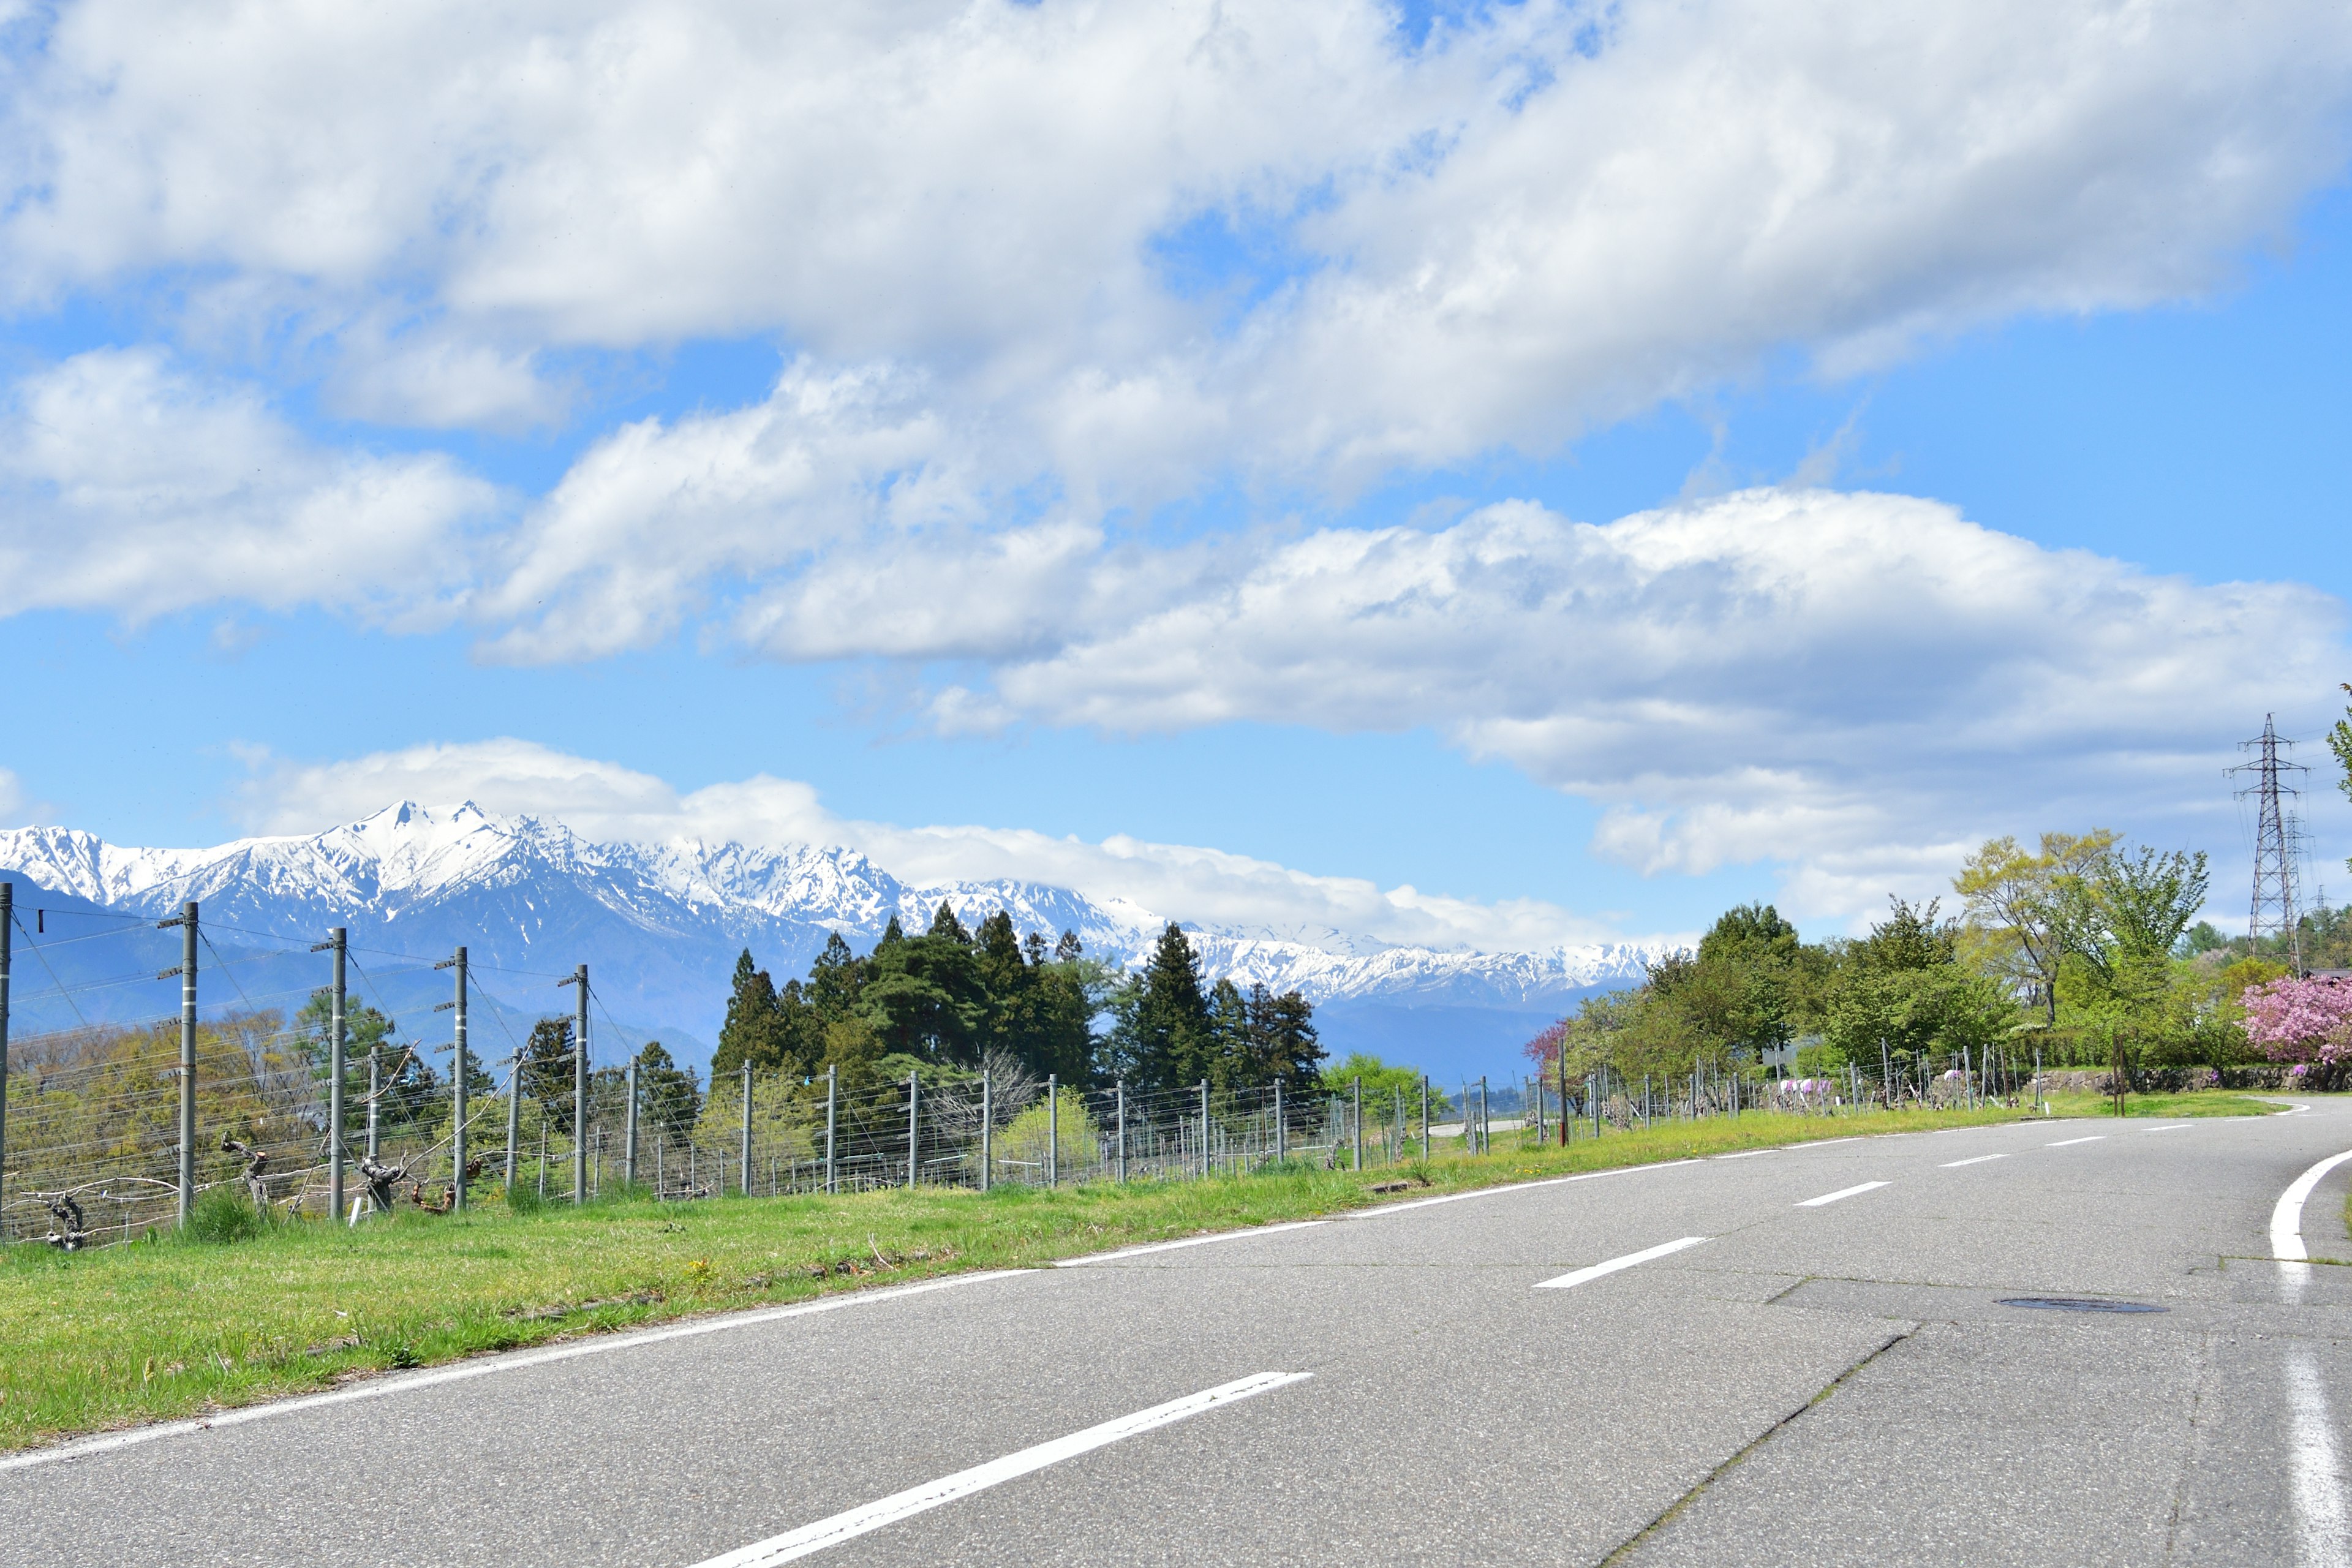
[2300, 1020]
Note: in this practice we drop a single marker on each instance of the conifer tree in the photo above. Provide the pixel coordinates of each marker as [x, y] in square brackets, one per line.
[924, 995]
[1234, 1060]
[547, 1070]
[1283, 1031]
[753, 1030]
[835, 980]
[1164, 1034]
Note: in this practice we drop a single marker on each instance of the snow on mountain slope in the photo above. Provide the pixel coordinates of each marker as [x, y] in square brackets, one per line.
[661, 924]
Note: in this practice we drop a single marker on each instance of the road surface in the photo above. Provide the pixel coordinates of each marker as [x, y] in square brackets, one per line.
[1805, 1356]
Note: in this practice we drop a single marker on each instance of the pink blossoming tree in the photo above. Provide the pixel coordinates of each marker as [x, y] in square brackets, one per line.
[2294, 1020]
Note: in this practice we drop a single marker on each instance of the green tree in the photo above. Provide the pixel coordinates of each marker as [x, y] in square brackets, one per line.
[1382, 1082]
[2015, 905]
[669, 1100]
[365, 1029]
[924, 994]
[1284, 1042]
[547, 1069]
[1904, 989]
[775, 1031]
[835, 980]
[2122, 917]
[1161, 1036]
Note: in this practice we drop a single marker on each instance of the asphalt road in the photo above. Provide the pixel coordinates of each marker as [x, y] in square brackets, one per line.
[1797, 1382]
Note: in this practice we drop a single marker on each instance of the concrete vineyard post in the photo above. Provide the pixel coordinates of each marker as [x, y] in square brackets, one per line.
[580, 1085]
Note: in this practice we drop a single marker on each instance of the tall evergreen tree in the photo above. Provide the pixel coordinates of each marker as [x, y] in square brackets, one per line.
[1165, 1037]
[835, 980]
[924, 994]
[753, 1030]
[1232, 1055]
[547, 1070]
[1287, 1047]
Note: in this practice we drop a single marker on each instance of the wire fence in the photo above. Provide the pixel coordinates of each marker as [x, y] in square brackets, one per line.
[93, 1149]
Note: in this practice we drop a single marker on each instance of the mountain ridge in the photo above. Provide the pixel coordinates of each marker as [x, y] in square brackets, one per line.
[662, 922]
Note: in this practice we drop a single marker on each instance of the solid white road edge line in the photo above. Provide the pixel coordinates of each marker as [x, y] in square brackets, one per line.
[1515, 1187]
[485, 1366]
[1955, 1165]
[1841, 1193]
[2318, 1504]
[1744, 1155]
[2286, 1218]
[1570, 1281]
[2070, 1142]
[857, 1521]
[1188, 1241]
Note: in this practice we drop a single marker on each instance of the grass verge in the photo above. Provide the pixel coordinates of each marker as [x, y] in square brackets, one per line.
[171, 1327]
[2197, 1102]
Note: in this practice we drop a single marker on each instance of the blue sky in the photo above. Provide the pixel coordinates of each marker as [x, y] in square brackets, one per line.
[1187, 469]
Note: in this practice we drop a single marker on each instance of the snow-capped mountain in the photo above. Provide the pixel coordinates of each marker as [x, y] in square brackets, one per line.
[660, 925]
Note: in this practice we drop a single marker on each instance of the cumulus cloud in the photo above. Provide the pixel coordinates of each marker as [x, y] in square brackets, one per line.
[1160, 241]
[604, 801]
[135, 487]
[1039, 268]
[1852, 684]
[1851, 687]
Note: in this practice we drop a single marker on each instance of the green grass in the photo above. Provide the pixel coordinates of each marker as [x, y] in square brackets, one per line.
[2196, 1102]
[173, 1326]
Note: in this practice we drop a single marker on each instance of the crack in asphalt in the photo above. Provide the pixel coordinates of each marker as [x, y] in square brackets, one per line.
[1633, 1543]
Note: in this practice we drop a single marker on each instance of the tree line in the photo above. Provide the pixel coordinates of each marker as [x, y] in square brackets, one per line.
[942, 1004]
[2080, 949]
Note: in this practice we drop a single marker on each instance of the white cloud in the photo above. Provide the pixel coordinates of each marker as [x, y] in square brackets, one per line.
[954, 213]
[1547, 214]
[1852, 685]
[137, 489]
[1852, 688]
[632, 539]
[604, 801]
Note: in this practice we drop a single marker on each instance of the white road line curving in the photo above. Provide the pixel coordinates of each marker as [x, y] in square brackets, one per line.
[858, 1521]
[2167, 1127]
[2070, 1142]
[2286, 1227]
[1827, 1198]
[1955, 1165]
[2322, 1535]
[487, 1366]
[1188, 1241]
[1570, 1281]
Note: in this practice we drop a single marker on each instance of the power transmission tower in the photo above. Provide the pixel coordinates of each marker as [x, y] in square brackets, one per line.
[2278, 843]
